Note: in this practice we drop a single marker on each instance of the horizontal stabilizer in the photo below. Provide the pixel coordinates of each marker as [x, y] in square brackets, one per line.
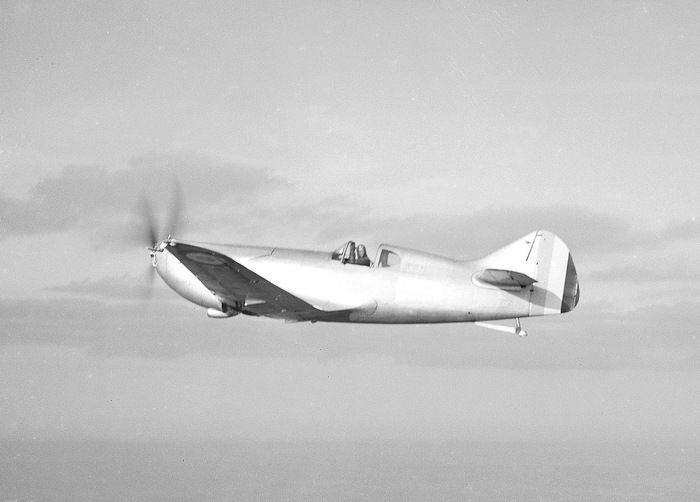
[504, 278]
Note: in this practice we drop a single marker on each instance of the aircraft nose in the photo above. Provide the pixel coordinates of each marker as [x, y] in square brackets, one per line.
[184, 282]
[572, 292]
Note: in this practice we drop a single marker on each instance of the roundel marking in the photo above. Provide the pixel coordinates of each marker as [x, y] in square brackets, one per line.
[207, 259]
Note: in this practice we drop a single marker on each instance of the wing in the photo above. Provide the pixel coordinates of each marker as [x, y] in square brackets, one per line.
[245, 290]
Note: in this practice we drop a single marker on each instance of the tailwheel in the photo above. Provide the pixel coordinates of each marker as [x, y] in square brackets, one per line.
[517, 330]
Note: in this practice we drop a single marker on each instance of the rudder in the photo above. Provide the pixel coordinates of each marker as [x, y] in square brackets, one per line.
[556, 290]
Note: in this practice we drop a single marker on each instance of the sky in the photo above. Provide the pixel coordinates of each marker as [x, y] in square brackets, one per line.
[450, 127]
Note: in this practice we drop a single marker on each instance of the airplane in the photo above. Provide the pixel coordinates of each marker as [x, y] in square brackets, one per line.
[533, 276]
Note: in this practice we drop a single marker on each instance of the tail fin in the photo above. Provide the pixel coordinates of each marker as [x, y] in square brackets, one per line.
[540, 261]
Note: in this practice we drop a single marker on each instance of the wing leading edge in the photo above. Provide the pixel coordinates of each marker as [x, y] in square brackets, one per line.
[246, 291]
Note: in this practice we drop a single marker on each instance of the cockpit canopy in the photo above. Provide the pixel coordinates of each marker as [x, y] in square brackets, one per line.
[350, 253]
[397, 258]
[411, 261]
[388, 258]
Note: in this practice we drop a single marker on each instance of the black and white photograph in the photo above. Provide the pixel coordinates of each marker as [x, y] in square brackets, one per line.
[349, 250]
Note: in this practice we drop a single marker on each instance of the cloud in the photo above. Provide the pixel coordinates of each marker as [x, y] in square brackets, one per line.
[592, 336]
[682, 230]
[124, 287]
[337, 219]
[683, 272]
[164, 327]
[67, 393]
[476, 234]
[251, 203]
[92, 197]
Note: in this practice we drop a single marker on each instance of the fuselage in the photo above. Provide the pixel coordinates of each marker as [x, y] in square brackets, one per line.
[401, 286]
[432, 289]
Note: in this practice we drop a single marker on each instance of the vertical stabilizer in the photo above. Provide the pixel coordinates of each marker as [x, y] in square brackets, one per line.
[540, 262]
[556, 290]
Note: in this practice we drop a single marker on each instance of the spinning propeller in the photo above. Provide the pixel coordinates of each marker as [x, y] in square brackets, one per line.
[157, 238]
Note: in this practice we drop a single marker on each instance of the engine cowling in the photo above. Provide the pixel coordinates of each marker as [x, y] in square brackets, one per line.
[184, 282]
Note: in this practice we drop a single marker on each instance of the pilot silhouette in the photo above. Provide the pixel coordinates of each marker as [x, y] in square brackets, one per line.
[362, 258]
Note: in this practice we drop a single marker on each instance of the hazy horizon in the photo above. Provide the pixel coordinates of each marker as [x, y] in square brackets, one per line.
[358, 470]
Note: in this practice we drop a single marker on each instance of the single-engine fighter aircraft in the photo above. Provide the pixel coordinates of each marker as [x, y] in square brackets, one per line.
[533, 276]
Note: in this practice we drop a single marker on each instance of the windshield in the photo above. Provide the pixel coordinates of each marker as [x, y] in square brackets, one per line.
[338, 253]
